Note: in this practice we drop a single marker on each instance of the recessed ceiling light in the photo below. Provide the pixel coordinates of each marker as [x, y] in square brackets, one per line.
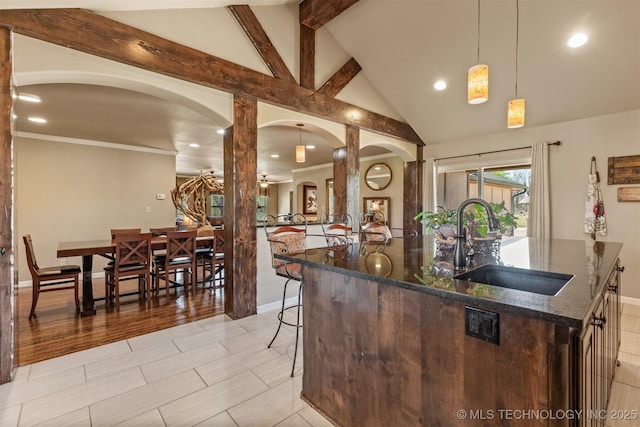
[440, 85]
[37, 120]
[193, 145]
[29, 97]
[220, 131]
[310, 147]
[577, 40]
[275, 156]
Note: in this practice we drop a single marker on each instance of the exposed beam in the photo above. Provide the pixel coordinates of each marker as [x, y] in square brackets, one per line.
[8, 317]
[315, 13]
[307, 57]
[341, 78]
[340, 182]
[269, 54]
[97, 35]
[240, 170]
[413, 176]
[353, 173]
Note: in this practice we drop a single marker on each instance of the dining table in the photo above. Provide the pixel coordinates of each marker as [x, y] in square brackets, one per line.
[105, 248]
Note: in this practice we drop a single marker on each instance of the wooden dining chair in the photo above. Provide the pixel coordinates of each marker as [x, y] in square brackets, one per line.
[48, 279]
[180, 256]
[132, 261]
[212, 261]
[115, 231]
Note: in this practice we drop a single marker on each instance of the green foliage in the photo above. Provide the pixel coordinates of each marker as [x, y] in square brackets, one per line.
[475, 217]
[434, 220]
[478, 221]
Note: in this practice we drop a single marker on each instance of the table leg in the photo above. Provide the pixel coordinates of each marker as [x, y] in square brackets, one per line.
[88, 306]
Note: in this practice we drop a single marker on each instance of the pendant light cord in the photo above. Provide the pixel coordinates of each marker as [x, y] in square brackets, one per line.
[517, 41]
[478, 60]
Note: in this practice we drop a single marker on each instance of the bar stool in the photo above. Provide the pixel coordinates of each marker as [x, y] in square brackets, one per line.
[290, 239]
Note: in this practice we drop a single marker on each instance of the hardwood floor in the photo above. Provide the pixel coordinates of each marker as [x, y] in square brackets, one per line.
[55, 330]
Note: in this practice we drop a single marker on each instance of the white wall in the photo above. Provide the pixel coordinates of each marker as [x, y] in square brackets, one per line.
[70, 192]
[603, 137]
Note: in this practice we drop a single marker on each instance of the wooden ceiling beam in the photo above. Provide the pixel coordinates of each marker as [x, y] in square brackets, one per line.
[315, 13]
[307, 57]
[341, 78]
[261, 41]
[94, 34]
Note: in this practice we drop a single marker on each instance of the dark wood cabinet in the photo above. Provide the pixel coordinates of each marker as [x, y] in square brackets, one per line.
[379, 354]
[600, 341]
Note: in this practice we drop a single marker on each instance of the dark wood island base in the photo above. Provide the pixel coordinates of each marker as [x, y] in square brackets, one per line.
[379, 353]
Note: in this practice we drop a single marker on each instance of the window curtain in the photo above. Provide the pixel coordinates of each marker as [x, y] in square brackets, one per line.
[539, 224]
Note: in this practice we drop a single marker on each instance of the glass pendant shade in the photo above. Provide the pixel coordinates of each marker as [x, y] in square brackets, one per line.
[478, 84]
[300, 153]
[515, 113]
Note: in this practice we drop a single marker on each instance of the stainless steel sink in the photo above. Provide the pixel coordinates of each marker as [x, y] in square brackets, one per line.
[539, 282]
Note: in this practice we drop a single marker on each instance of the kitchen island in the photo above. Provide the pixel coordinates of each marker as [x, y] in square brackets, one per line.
[392, 338]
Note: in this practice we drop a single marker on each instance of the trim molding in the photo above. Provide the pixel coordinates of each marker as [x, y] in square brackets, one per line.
[93, 143]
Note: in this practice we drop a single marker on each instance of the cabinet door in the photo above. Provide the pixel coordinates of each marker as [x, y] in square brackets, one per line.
[612, 327]
[592, 381]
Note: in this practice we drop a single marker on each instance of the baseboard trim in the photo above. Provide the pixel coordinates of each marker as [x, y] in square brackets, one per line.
[629, 300]
[277, 305]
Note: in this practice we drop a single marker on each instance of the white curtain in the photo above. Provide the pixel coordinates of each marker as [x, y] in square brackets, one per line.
[539, 204]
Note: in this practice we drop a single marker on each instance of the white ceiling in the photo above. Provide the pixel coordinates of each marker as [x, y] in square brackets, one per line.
[404, 46]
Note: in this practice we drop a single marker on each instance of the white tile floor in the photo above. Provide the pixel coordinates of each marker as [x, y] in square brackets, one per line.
[211, 372]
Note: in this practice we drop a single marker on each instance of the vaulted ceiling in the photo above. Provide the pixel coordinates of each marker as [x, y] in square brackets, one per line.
[403, 47]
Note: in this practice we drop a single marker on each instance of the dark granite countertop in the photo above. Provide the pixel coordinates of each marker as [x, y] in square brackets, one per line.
[413, 263]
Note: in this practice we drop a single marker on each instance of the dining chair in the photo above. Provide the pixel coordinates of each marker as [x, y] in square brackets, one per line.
[49, 279]
[132, 261]
[159, 232]
[287, 234]
[115, 231]
[337, 229]
[212, 261]
[180, 256]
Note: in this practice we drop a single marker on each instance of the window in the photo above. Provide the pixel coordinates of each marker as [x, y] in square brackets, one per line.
[217, 205]
[261, 210]
[507, 184]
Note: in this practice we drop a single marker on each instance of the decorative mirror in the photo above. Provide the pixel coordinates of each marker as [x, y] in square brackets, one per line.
[378, 176]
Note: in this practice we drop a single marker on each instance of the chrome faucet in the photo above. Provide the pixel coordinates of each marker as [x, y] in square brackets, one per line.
[459, 255]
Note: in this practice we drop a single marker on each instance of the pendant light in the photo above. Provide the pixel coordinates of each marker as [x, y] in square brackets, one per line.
[263, 182]
[478, 76]
[300, 151]
[516, 107]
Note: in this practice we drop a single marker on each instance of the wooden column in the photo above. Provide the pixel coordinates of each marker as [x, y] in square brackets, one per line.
[7, 327]
[413, 177]
[240, 175]
[340, 181]
[353, 172]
